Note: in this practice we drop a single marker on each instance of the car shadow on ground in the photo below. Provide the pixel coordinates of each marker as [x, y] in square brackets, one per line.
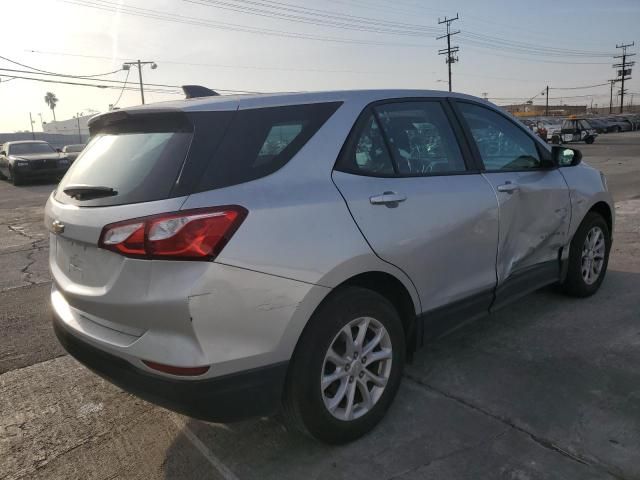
[545, 388]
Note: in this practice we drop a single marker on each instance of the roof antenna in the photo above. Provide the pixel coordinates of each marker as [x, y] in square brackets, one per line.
[197, 91]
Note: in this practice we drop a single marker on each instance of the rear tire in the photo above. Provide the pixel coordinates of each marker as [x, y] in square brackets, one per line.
[588, 257]
[339, 411]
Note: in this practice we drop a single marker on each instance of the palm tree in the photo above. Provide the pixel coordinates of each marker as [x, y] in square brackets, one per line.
[51, 100]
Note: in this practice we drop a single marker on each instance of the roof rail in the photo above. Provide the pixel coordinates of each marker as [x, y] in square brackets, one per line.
[196, 91]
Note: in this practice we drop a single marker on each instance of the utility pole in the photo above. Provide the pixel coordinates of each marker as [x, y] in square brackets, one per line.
[33, 134]
[139, 64]
[546, 108]
[611, 97]
[449, 51]
[625, 69]
[78, 122]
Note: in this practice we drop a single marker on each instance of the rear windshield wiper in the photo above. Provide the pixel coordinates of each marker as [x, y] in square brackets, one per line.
[88, 192]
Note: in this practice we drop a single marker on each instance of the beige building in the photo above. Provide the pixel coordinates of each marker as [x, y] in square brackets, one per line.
[530, 110]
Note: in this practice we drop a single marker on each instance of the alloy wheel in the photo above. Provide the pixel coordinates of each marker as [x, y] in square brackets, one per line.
[593, 251]
[356, 368]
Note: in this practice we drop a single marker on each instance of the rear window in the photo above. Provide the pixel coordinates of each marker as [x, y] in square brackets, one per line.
[260, 141]
[141, 161]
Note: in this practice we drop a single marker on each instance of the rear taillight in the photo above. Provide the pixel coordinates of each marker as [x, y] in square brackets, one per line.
[199, 234]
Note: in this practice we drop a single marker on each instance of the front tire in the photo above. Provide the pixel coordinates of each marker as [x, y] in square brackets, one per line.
[589, 140]
[347, 367]
[588, 256]
[15, 179]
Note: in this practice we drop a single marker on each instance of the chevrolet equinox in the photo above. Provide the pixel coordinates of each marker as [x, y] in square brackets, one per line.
[234, 256]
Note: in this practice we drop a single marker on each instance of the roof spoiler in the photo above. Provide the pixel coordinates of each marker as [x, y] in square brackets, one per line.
[196, 91]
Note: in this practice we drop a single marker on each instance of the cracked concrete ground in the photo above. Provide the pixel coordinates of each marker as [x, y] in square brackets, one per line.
[548, 388]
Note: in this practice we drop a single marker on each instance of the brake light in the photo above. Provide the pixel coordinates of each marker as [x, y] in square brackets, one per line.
[198, 234]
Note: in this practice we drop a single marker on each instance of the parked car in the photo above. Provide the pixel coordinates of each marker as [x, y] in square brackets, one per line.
[541, 130]
[575, 130]
[31, 159]
[601, 125]
[631, 119]
[287, 252]
[552, 125]
[619, 125]
[72, 151]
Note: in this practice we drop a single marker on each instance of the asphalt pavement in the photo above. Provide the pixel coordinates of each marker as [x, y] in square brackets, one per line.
[546, 388]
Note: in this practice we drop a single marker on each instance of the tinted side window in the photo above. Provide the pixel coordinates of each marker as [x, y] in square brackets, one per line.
[369, 155]
[421, 138]
[502, 144]
[260, 141]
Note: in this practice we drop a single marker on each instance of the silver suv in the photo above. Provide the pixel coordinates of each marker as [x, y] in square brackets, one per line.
[235, 256]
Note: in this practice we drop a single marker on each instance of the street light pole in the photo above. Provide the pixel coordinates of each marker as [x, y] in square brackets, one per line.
[139, 64]
[33, 134]
[78, 122]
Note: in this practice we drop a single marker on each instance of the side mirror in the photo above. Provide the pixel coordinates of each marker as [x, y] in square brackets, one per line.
[3, 153]
[566, 157]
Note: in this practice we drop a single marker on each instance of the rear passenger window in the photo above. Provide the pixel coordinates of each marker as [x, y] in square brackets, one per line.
[260, 141]
[421, 138]
[371, 156]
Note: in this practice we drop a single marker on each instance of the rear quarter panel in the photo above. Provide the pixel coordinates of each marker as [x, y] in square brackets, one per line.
[298, 225]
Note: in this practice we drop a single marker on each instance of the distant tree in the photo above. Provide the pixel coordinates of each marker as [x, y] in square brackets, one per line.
[51, 100]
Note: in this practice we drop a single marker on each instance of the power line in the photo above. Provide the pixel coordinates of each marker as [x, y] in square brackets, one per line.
[449, 51]
[287, 11]
[579, 88]
[153, 90]
[119, 82]
[88, 84]
[115, 104]
[534, 60]
[220, 65]
[105, 5]
[52, 73]
[529, 48]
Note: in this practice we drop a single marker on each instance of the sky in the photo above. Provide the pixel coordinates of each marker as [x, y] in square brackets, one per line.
[509, 50]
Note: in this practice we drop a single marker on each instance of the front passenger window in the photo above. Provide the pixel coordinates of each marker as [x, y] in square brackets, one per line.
[502, 144]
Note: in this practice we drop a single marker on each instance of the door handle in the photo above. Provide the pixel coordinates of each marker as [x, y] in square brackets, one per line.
[387, 198]
[508, 187]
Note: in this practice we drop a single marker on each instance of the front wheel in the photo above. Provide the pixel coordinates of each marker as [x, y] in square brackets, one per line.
[588, 256]
[15, 179]
[347, 366]
[589, 140]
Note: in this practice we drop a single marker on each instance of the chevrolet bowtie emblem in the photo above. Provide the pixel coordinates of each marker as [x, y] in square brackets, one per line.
[57, 226]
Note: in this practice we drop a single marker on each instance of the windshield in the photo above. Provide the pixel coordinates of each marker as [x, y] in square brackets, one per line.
[30, 148]
[139, 166]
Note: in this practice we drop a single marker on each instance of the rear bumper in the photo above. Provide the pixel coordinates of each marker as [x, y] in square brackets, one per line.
[228, 398]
